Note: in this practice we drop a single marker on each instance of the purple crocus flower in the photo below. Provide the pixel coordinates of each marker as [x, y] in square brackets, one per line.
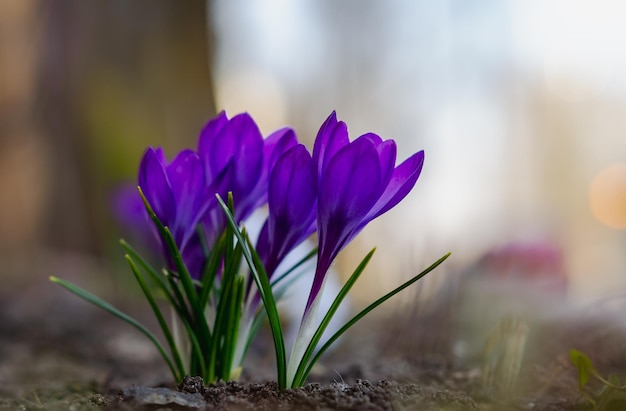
[237, 159]
[357, 181]
[175, 191]
[292, 198]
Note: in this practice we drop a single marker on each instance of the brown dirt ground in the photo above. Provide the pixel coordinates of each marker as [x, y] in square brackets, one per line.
[58, 352]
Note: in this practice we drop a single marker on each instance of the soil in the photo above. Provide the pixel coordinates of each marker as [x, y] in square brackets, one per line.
[58, 352]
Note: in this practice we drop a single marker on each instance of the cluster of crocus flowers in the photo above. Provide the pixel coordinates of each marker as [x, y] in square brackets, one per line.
[335, 191]
[232, 156]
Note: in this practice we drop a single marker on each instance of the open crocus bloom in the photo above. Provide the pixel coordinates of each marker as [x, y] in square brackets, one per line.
[175, 192]
[237, 159]
[357, 181]
[292, 199]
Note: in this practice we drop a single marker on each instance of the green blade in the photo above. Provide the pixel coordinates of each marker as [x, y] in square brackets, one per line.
[367, 310]
[159, 279]
[86, 295]
[300, 376]
[162, 323]
[265, 289]
[199, 323]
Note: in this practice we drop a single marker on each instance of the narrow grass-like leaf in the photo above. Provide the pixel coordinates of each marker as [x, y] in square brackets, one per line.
[197, 353]
[257, 321]
[159, 279]
[300, 376]
[184, 312]
[170, 243]
[265, 289]
[86, 295]
[366, 311]
[159, 316]
[199, 324]
[214, 259]
[220, 356]
[232, 329]
[269, 303]
[220, 326]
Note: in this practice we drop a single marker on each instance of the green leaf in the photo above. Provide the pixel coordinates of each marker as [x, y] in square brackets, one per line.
[366, 311]
[214, 260]
[86, 295]
[167, 237]
[301, 374]
[583, 365]
[229, 306]
[265, 289]
[199, 324]
[162, 323]
[232, 331]
[159, 279]
[197, 354]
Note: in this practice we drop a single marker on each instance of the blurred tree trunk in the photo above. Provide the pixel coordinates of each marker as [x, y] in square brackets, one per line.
[23, 159]
[116, 76]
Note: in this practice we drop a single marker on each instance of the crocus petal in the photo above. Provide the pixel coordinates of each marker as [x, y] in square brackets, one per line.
[128, 208]
[131, 216]
[350, 186]
[212, 216]
[186, 177]
[401, 183]
[208, 137]
[156, 187]
[292, 192]
[274, 146]
[332, 136]
[193, 256]
[248, 151]
[386, 155]
[292, 199]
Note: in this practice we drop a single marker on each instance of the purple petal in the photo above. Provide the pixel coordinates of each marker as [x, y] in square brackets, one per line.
[194, 258]
[128, 208]
[386, 154]
[245, 142]
[187, 181]
[208, 137]
[331, 137]
[292, 199]
[155, 185]
[236, 141]
[351, 185]
[263, 245]
[274, 146]
[212, 216]
[402, 182]
[248, 148]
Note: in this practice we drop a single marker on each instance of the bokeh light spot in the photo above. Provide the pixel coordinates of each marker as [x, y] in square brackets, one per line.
[607, 196]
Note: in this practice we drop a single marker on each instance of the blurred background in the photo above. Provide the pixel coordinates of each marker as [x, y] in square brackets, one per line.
[520, 106]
